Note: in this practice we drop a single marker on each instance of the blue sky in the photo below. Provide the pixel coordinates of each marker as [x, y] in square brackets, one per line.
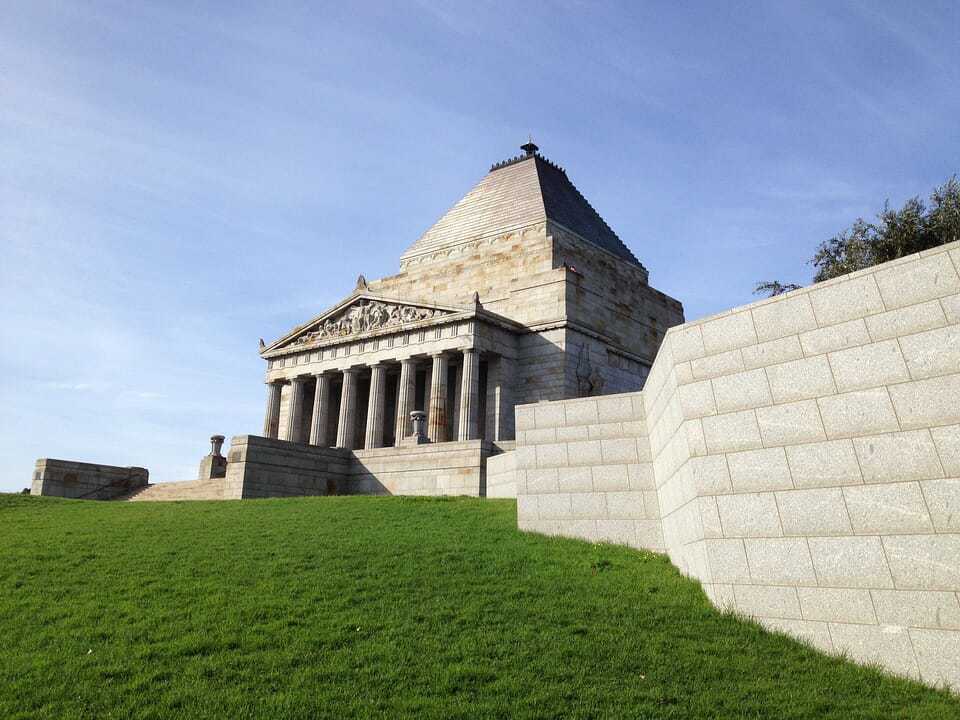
[178, 180]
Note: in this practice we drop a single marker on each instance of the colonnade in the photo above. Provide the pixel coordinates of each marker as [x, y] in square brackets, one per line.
[467, 425]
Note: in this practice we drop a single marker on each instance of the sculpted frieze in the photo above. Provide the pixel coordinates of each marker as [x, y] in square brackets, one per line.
[365, 316]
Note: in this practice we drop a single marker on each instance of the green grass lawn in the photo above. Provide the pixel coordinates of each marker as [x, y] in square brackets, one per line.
[381, 607]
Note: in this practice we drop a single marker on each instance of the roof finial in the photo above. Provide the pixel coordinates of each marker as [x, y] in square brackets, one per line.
[529, 148]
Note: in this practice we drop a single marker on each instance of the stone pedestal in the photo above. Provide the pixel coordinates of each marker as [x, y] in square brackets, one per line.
[213, 465]
[418, 420]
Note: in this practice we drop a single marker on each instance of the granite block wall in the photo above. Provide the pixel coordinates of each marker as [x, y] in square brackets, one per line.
[450, 468]
[806, 462]
[501, 473]
[583, 468]
[259, 467]
[87, 481]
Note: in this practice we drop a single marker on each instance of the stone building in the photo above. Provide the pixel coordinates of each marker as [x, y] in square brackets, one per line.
[520, 293]
[799, 456]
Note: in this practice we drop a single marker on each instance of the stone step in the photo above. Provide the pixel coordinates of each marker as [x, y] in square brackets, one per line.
[183, 490]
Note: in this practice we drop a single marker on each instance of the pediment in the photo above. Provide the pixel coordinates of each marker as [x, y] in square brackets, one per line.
[359, 315]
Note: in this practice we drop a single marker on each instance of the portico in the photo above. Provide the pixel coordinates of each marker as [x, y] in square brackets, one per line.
[350, 378]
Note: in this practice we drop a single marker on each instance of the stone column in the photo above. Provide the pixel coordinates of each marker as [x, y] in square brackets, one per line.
[271, 420]
[501, 372]
[437, 418]
[406, 389]
[469, 395]
[376, 407]
[348, 410]
[295, 411]
[321, 413]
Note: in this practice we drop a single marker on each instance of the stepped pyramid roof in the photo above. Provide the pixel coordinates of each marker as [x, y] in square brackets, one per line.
[522, 191]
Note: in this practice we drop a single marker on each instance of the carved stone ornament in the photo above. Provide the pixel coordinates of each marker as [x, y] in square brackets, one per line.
[589, 379]
[364, 316]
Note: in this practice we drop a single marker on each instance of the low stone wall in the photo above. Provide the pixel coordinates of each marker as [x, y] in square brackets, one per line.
[450, 468]
[806, 456]
[501, 472]
[78, 480]
[584, 469]
[259, 467]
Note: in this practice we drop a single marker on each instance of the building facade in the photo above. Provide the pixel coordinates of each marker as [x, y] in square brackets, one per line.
[520, 293]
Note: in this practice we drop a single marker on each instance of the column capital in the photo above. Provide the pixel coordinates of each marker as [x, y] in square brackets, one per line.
[470, 349]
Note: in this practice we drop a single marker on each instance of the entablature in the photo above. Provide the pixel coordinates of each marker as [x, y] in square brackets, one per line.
[451, 332]
[361, 316]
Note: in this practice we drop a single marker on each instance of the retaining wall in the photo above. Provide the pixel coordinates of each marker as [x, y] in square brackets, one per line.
[450, 468]
[806, 462]
[501, 472]
[79, 480]
[259, 467]
[584, 469]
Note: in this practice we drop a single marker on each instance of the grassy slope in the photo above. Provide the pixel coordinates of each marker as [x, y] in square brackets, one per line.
[358, 607]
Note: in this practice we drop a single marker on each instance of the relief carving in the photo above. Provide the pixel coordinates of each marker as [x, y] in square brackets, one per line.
[589, 379]
[367, 315]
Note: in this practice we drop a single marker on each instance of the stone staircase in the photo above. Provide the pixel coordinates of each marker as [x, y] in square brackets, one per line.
[173, 491]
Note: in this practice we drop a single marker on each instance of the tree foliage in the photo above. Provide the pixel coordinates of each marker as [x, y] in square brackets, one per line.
[912, 228]
[772, 288]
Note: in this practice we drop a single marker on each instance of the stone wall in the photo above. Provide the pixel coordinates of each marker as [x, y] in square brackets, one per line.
[259, 467]
[451, 468]
[514, 274]
[584, 469]
[592, 367]
[78, 480]
[612, 297]
[501, 473]
[590, 312]
[806, 455]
